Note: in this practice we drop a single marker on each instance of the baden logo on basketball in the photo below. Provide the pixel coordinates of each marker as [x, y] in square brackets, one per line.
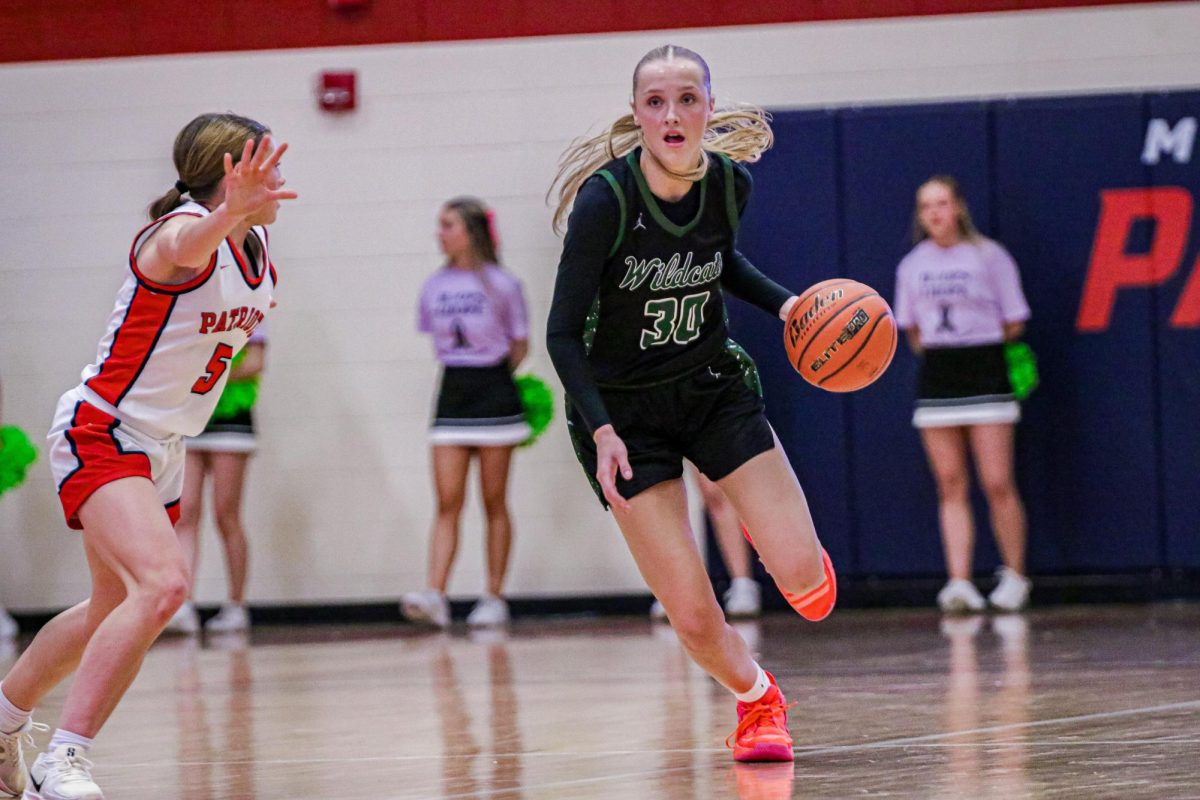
[840, 335]
[821, 302]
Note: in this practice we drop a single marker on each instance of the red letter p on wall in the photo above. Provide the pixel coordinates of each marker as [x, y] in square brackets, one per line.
[1111, 268]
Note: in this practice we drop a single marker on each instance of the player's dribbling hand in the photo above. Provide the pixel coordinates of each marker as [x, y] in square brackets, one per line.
[611, 455]
[787, 307]
[253, 181]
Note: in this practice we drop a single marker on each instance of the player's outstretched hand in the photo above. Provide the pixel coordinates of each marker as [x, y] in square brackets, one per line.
[252, 182]
[611, 455]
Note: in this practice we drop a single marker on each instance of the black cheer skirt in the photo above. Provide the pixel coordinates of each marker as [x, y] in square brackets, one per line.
[965, 386]
[478, 407]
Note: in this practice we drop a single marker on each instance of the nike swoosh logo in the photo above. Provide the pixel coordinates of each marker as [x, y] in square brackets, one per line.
[37, 787]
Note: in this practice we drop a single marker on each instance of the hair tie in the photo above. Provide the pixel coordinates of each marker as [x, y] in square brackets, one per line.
[181, 187]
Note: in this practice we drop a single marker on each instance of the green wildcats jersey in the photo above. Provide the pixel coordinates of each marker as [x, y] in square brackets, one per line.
[659, 312]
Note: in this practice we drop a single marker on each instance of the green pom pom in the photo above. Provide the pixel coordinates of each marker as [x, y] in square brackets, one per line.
[538, 402]
[238, 396]
[1022, 368]
[16, 454]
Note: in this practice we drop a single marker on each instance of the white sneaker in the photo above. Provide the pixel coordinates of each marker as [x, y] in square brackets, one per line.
[960, 596]
[230, 619]
[62, 775]
[186, 621]
[1012, 593]
[657, 612]
[8, 625]
[489, 612]
[428, 606]
[743, 598]
[12, 759]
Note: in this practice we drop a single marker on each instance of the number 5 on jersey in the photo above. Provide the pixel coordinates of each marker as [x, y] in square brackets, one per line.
[674, 319]
[215, 369]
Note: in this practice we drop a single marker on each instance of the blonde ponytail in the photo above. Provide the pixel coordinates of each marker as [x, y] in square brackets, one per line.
[584, 156]
[742, 133]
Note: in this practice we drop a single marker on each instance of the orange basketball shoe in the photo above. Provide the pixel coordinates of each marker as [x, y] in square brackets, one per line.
[815, 604]
[761, 733]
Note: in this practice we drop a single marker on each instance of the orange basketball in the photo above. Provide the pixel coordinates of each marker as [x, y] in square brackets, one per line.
[840, 335]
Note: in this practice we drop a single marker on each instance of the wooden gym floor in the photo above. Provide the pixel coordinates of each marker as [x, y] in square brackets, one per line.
[1074, 702]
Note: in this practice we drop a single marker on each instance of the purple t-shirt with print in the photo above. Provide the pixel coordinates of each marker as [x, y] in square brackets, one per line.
[474, 315]
[959, 296]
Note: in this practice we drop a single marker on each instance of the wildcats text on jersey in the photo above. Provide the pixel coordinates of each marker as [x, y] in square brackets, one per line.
[244, 318]
[677, 272]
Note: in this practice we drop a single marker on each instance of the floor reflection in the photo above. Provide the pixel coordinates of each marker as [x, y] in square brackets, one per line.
[464, 757]
[764, 781]
[987, 707]
[677, 780]
[216, 757]
[1062, 703]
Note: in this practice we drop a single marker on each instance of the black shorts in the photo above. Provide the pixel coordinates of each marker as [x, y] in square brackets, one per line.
[712, 417]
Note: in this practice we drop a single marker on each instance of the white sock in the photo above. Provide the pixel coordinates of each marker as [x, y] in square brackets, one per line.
[755, 692]
[12, 719]
[62, 737]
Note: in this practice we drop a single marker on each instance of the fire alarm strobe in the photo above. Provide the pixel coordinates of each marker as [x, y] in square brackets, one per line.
[337, 91]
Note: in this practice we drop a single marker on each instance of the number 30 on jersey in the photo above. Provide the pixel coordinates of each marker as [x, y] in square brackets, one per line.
[674, 319]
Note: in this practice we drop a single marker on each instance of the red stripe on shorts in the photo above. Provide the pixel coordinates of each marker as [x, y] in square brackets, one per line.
[101, 460]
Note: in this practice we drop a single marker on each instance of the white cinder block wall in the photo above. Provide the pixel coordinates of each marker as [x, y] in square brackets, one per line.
[339, 499]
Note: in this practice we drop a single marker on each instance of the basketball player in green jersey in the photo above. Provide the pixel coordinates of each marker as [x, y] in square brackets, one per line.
[637, 332]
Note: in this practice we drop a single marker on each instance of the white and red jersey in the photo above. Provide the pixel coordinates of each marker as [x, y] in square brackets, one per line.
[164, 360]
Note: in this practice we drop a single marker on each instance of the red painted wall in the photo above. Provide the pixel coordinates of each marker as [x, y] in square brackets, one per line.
[39, 30]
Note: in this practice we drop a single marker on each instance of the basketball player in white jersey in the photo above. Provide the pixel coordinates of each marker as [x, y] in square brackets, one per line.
[199, 280]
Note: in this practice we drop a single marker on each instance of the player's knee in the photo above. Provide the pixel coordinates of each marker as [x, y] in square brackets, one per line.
[698, 628]
[799, 571]
[450, 505]
[495, 504]
[162, 591]
[952, 485]
[999, 490]
[229, 522]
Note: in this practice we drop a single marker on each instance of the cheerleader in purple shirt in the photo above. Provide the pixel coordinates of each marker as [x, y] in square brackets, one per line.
[475, 312]
[959, 300]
